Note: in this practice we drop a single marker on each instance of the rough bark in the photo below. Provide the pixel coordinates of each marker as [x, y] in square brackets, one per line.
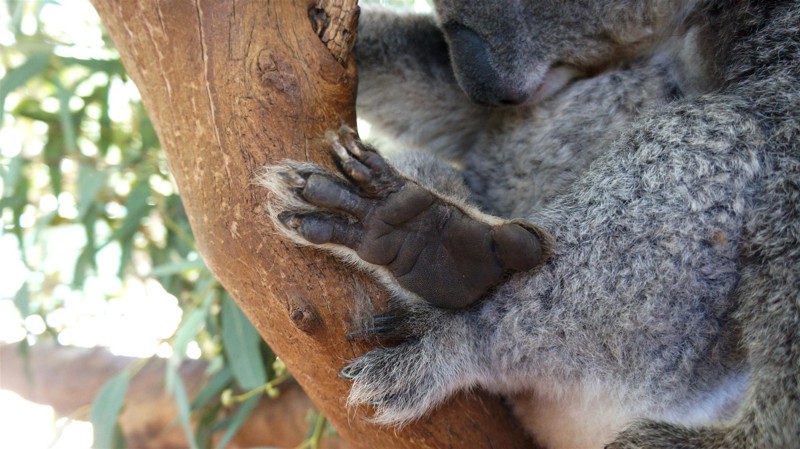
[231, 86]
[69, 378]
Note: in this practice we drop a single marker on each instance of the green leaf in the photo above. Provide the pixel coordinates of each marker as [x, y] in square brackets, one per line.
[106, 408]
[184, 409]
[53, 155]
[65, 116]
[188, 329]
[241, 343]
[110, 66]
[23, 300]
[20, 75]
[13, 171]
[213, 388]
[138, 208]
[90, 182]
[236, 420]
[170, 269]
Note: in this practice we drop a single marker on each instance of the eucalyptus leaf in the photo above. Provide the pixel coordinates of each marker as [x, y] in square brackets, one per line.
[178, 267]
[53, 155]
[184, 407]
[213, 388]
[65, 116]
[20, 75]
[22, 299]
[241, 343]
[109, 66]
[138, 209]
[106, 409]
[188, 329]
[236, 421]
[90, 182]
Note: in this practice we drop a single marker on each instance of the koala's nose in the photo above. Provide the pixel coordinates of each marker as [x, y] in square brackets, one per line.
[470, 55]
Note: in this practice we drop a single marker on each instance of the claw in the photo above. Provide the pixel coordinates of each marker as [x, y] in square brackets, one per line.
[290, 220]
[350, 141]
[342, 153]
[293, 179]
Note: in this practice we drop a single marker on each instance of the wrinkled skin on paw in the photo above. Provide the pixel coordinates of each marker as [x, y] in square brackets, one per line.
[432, 247]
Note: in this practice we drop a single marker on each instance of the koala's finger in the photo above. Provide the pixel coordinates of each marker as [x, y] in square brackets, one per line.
[517, 248]
[321, 228]
[324, 192]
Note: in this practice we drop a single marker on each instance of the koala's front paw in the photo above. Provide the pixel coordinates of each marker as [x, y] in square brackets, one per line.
[431, 247]
[398, 382]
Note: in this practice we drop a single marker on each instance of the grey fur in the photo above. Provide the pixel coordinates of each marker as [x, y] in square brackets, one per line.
[668, 173]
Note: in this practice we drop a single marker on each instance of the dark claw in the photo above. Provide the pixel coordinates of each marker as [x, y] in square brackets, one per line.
[290, 220]
[293, 179]
[390, 327]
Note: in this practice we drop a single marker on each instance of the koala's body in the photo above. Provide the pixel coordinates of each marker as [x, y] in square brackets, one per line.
[618, 252]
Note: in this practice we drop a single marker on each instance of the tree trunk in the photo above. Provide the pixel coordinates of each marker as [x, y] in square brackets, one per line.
[232, 86]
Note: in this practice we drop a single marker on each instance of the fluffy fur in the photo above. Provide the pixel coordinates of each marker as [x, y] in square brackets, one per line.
[668, 171]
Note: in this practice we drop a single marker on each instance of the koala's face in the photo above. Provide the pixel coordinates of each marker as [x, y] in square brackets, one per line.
[518, 51]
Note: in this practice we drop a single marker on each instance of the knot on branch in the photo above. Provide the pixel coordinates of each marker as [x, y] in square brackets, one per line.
[336, 24]
[303, 314]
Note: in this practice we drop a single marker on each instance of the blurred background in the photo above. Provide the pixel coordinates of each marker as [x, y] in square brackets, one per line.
[113, 333]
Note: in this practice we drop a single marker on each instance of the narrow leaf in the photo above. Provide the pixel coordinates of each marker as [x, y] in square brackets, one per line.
[188, 329]
[184, 408]
[178, 267]
[138, 208]
[20, 75]
[23, 300]
[106, 408]
[213, 388]
[90, 182]
[236, 421]
[241, 343]
[65, 116]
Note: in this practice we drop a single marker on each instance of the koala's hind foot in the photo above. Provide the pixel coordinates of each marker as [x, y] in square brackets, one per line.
[419, 242]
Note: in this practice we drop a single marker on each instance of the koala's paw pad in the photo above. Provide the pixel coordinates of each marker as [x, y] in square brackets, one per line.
[434, 249]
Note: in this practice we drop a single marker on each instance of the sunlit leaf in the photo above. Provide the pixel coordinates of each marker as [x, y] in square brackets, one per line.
[53, 155]
[22, 299]
[65, 116]
[12, 174]
[241, 343]
[106, 408]
[178, 267]
[109, 66]
[20, 75]
[138, 208]
[188, 330]
[90, 182]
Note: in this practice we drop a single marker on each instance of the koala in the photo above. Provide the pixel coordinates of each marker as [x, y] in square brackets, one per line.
[598, 216]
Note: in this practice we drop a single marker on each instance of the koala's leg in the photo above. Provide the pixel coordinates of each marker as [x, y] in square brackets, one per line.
[406, 85]
[420, 243]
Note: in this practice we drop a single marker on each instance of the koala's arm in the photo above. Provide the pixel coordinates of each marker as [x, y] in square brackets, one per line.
[406, 84]
[639, 279]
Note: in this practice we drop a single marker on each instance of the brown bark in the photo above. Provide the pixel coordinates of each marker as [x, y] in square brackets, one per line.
[69, 378]
[231, 86]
